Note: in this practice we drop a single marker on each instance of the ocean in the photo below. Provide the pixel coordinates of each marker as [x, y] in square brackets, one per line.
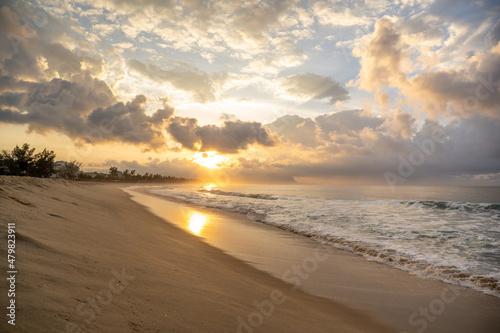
[447, 233]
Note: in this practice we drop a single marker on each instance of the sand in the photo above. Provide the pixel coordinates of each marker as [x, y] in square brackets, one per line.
[89, 259]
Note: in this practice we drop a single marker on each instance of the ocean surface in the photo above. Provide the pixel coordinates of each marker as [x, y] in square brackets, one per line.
[447, 233]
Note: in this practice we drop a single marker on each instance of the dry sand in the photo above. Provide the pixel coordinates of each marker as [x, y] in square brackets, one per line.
[90, 259]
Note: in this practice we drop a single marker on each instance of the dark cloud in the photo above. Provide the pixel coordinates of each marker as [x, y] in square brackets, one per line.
[10, 84]
[12, 98]
[183, 130]
[230, 138]
[129, 123]
[475, 141]
[75, 109]
[233, 136]
[12, 117]
[314, 87]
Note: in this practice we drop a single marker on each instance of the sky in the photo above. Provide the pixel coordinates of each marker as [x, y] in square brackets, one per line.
[353, 92]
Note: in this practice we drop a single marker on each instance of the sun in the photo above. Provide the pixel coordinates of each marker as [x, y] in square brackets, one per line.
[210, 159]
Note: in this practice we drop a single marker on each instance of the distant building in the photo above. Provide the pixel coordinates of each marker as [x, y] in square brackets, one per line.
[66, 169]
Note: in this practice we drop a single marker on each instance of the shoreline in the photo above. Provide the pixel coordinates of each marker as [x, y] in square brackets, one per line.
[90, 259]
[394, 285]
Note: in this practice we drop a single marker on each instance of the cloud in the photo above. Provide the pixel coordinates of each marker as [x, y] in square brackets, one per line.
[338, 17]
[381, 55]
[355, 146]
[463, 91]
[129, 123]
[313, 86]
[421, 29]
[341, 128]
[13, 32]
[10, 99]
[493, 36]
[163, 7]
[469, 91]
[346, 122]
[56, 98]
[253, 23]
[401, 124]
[229, 138]
[183, 130]
[454, 9]
[296, 130]
[87, 111]
[36, 47]
[203, 86]
[283, 53]
[75, 110]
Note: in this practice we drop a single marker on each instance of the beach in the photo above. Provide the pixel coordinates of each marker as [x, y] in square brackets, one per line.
[88, 258]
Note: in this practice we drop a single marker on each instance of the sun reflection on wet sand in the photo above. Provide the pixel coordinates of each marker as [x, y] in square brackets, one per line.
[196, 223]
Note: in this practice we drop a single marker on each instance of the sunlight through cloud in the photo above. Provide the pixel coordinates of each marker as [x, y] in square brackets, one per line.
[210, 159]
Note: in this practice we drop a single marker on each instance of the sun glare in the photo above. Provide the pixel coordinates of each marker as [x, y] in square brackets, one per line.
[210, 159]
[209, 187]
[196, 223]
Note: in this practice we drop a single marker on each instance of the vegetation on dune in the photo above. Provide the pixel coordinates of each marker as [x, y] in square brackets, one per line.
[37, 165]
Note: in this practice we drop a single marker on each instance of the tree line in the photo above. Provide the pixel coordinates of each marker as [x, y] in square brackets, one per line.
[22, 161]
